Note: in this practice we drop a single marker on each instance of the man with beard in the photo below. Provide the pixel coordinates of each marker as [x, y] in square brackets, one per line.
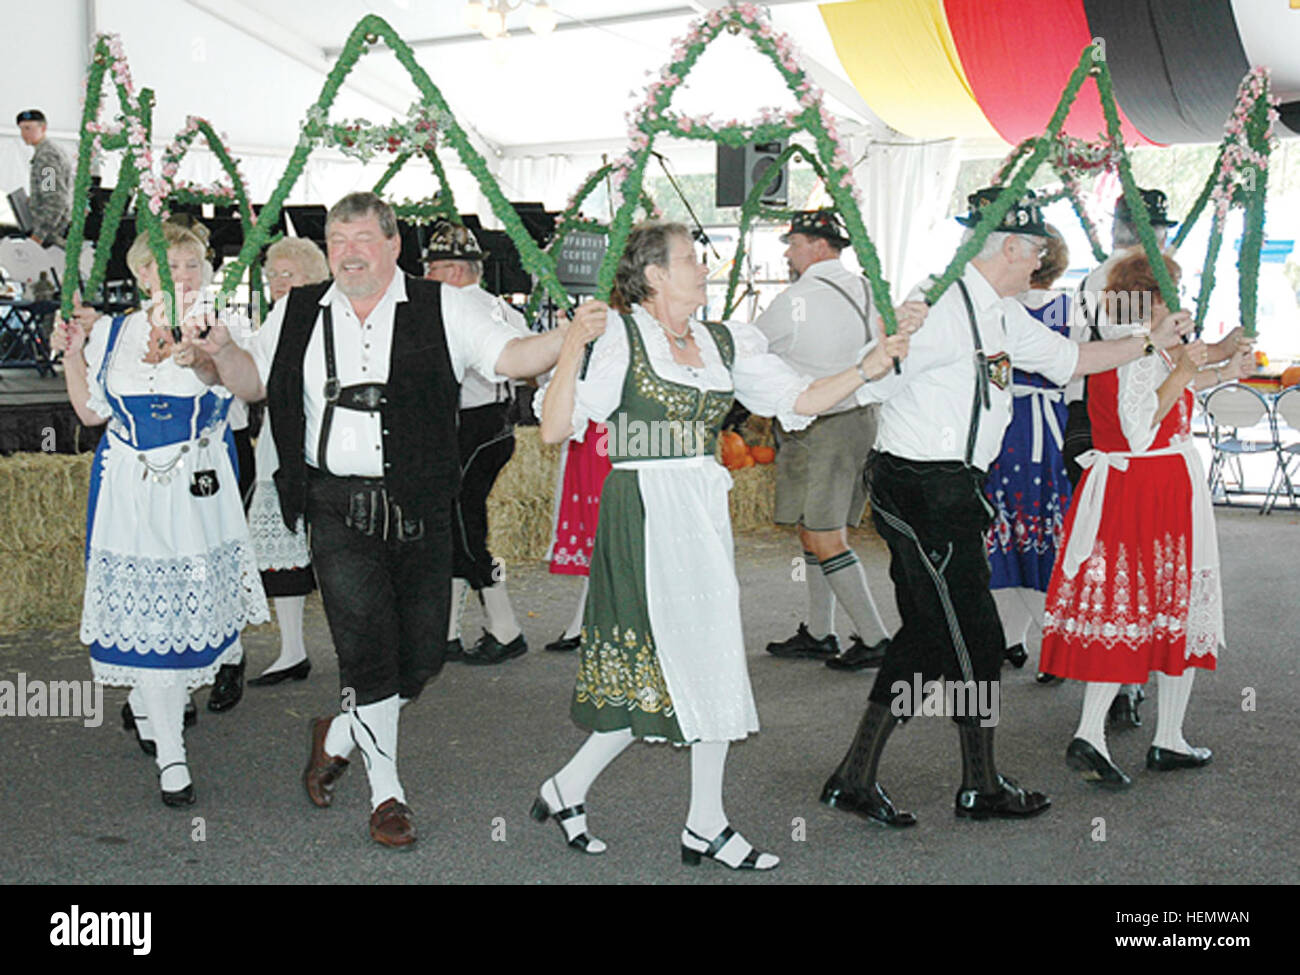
[362, 375]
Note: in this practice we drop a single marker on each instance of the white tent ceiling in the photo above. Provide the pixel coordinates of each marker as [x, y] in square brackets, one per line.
[253, 68]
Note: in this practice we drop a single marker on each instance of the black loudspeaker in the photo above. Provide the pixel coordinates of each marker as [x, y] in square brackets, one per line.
[739, 170]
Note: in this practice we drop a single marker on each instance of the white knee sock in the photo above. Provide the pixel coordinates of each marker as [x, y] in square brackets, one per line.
[338, 740]
[1014, 615]
[600, 748]
[459, 593]
[848, 580]
[706, 817]
[140, 711]
[1097, 696]
[708, 763]
[501, 615]
[374, 726]
[821, 599]
[1172, 694]
[288, 616]
[166, 709]
[575, 627]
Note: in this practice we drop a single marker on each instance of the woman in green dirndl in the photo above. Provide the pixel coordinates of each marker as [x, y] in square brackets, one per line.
[663, 655]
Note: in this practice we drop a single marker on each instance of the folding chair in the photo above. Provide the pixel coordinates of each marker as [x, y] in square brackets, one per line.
[1286, 428]
[1234, 409]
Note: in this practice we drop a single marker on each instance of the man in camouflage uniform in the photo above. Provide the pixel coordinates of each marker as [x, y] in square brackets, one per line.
[50, 192]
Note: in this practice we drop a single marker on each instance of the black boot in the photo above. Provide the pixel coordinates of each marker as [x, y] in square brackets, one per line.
[853, 786]
[984, 793]
[228, 687]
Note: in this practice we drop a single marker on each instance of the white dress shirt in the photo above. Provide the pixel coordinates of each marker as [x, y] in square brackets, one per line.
[927, 410]
[475, 390]
[811, 326]
[363, 349]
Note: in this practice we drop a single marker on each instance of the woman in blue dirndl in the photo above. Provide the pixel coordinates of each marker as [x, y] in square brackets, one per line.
[171, 578]
[1027, 484]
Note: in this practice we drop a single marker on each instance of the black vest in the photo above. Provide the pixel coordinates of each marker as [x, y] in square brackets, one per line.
[421, 464]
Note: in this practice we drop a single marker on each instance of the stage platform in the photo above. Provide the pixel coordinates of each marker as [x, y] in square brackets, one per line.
[35, 415]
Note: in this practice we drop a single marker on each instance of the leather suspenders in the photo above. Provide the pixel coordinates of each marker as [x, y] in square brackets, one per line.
[331, 389]
[362, 397]
[862, 312]
[982, 400]
[370, 509]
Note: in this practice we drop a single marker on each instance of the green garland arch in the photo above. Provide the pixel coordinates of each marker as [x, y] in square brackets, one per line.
[754, 207]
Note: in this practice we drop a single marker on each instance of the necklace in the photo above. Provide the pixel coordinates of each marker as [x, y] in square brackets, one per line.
[679, 340]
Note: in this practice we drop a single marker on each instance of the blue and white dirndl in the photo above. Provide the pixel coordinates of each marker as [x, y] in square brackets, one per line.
[1027, 484]
[171, 578]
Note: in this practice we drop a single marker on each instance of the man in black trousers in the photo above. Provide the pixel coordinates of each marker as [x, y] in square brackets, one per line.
[363, 377]
[941, 426]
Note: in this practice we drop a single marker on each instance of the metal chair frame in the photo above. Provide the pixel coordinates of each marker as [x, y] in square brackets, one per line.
[1227, 449]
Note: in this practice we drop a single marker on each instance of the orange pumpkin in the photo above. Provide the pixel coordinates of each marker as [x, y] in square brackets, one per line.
[1291, 376]
[763, 455]
[734, 451]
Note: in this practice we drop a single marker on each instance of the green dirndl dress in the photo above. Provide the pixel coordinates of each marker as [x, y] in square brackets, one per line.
[621, 681]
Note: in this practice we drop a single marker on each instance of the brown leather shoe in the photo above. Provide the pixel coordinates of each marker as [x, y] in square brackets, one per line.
[323, 770]
[391, 824]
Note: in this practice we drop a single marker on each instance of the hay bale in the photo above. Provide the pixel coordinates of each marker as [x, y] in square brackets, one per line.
[42, 539]
[43, 520]
[753, 498]
[519, 507]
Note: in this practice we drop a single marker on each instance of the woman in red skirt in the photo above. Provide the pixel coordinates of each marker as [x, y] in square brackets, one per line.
[1138, 588]
[584, 465]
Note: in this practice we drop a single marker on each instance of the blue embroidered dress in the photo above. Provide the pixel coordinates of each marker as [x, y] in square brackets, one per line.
[1027, 484]
[171, 579]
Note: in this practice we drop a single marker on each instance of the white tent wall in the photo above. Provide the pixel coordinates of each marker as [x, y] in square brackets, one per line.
[905, 191]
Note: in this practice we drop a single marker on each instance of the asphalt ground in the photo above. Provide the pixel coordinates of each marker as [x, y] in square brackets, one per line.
[81, 805]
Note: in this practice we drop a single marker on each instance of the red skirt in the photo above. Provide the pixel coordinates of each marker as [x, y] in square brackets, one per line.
[1125, 612]
[578, 505]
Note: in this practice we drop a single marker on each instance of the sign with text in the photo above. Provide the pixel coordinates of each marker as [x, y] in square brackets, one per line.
[578, 262]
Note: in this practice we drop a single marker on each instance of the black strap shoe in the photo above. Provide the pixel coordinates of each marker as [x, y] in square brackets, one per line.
[147, 745]
[874, 805]
[803, 644]
[565, 644]
[489, 650]
[1009, 802]
[755, 859]
[298, 671]
[859, 656]
[1017, 656]
[1167, 760]
[578, 837]
[1043, 677]
[455, 651]
[1123, 713]
[228, 688]
[177, 797]
[1096, 767]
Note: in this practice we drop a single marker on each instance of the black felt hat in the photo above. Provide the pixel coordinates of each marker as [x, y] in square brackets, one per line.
[1157, 205]
[1024, 217]
[824, 223]
[31, 115]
